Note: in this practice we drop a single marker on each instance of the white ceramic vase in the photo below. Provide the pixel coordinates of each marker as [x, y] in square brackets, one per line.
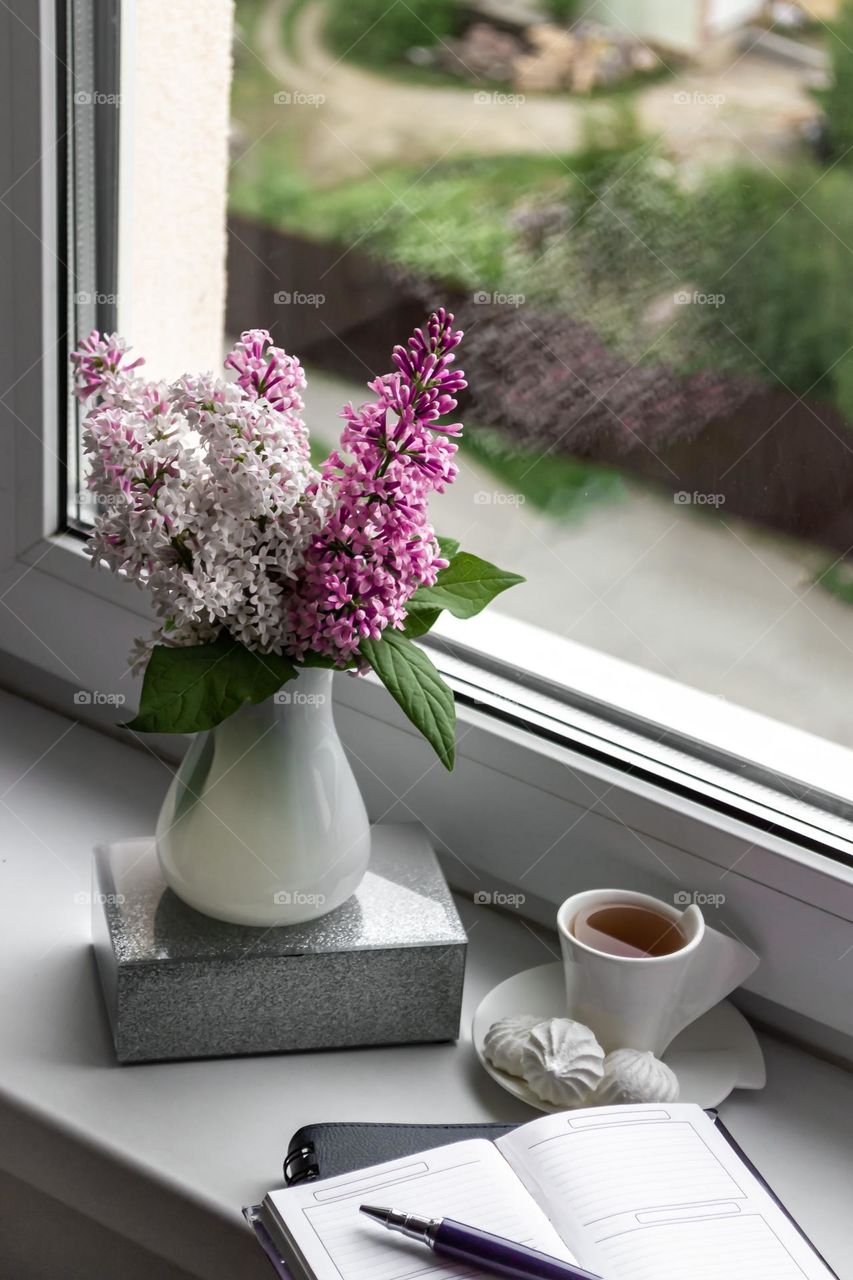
[264, 823]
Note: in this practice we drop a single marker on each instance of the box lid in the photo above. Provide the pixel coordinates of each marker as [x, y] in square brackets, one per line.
[403, 901]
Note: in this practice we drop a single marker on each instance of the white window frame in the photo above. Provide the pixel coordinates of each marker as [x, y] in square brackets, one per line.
[547, 797]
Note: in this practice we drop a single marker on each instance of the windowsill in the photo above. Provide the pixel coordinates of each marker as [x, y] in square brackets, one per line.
[805, 776]
[165, 1155]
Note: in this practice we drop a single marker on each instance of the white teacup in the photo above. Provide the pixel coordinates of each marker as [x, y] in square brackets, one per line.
[642, 1002]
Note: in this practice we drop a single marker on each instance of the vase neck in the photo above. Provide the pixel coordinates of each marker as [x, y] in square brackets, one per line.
[309, 695]
[312, 688]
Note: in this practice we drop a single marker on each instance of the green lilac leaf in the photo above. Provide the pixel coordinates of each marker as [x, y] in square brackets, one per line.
[465, 587]
[419, 621]
[413, 682]
[193, 687]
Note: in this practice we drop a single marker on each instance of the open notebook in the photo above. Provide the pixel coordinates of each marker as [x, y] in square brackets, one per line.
[629, 1192]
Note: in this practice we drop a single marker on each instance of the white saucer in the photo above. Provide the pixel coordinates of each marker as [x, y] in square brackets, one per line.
[715, 1054]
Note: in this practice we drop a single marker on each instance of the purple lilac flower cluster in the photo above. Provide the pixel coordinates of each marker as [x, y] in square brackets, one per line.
[206, 495]
[378, 546]
[101, 368]
[266, 372]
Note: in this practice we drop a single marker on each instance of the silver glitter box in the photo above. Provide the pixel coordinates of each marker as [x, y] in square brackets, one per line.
[385, 968]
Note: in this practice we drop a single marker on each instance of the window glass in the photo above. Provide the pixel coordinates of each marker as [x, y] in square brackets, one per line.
[642, 216]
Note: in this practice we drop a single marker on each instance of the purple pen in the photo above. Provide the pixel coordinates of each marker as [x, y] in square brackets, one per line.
[477, 1248]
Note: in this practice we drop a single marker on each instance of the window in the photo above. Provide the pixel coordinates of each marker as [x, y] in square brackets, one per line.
[628, 447]
[89, 145]
[643, 224]
[603, 735]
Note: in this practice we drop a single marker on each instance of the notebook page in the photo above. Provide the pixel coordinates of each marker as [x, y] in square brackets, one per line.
[468, 1181]
[656, 1193]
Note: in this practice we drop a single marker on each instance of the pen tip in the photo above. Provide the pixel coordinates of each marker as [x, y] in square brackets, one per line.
[381, 1215]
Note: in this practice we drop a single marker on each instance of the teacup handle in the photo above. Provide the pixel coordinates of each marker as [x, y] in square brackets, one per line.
[719, 965]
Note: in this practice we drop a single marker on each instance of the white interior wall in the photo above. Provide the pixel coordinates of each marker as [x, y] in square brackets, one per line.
[173, 180]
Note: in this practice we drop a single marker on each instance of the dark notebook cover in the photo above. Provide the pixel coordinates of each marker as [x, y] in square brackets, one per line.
[325, 1150]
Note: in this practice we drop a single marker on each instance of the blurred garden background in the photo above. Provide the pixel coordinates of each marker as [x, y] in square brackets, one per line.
[642, 215]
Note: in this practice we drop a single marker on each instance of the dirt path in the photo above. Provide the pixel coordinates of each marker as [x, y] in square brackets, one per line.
[363, 121]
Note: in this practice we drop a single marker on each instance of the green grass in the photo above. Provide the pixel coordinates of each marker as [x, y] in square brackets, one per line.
[558, 486]
[421, 223]
[270, 185]
[288, 24]
[319, 450]
[838, 580]
[253, 85]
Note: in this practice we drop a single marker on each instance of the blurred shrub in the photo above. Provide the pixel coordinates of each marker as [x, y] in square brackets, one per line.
[837, 98]
[781, 253]
[564, 488]
[564, 11]
[267, 189]
[374, 32]
[745, 271]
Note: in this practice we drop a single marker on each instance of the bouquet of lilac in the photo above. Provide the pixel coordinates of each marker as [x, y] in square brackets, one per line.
[257, 562]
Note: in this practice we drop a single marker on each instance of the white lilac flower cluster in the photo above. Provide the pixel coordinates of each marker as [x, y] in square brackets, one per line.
[204, 488]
